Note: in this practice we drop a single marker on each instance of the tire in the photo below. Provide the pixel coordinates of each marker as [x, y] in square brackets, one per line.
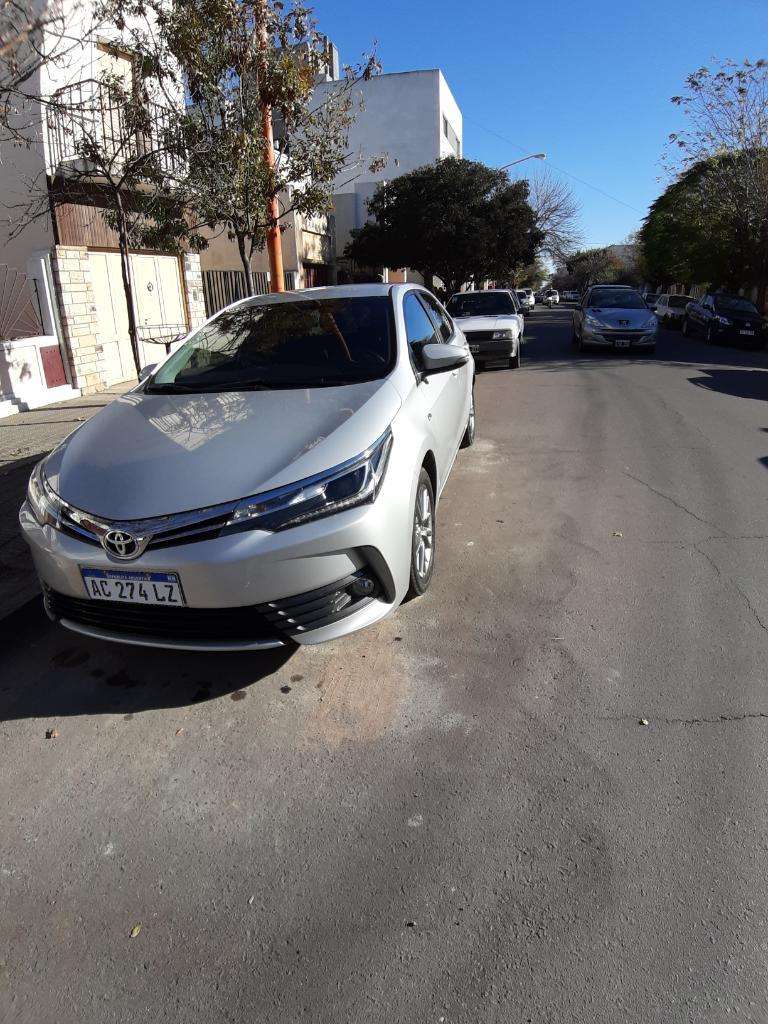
[422, 544]
[708, 335]
[469, 433]
[514, 361]
[686, 328]
[574, 339]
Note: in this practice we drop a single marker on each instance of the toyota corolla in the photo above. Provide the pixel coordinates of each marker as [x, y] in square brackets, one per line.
[274, 480]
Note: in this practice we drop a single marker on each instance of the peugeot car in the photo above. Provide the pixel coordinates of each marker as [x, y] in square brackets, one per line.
[274, 480]
[614, 317]
[491, 324]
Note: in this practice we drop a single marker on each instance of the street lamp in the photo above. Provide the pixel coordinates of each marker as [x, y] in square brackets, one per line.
[531, 156]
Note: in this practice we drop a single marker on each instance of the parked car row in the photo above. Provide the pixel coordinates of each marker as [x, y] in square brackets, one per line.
[275, 480]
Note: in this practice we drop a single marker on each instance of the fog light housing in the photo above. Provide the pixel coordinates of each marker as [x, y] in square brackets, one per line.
[364, 586]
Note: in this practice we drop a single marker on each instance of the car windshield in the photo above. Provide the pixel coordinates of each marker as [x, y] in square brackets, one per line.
[679, 301]
[651, 297]
[301, 343]
[615, 298]
[521, 295]
[481, 304]
[734, 304]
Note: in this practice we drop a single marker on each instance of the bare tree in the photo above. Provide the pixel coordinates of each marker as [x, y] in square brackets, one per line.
[33, 33]
[726, 140]
[557, 215]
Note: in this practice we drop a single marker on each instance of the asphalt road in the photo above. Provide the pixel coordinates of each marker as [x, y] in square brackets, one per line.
[457, 815]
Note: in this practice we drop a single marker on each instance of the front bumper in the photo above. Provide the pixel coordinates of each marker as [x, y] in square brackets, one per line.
[623, 341]
[243, 591]
[487, 352]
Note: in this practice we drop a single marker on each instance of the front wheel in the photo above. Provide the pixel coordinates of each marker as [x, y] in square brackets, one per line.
[423, 536]
[514, 361]
[469, 434]
[686, 328]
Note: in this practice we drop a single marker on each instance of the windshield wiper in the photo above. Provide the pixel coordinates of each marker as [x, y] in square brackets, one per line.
[172, 388]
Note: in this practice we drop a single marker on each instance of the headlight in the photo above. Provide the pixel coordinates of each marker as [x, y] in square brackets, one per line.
[592, 321]
[355, 482]
[651, 325]
[723, 320]
[502, 335]
[43, 500]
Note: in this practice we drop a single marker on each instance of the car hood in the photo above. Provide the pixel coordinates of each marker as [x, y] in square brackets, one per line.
[633, 319]
[487, 323]
[152, 455]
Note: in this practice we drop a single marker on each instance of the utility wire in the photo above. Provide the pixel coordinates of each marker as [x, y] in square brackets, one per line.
[561, 170]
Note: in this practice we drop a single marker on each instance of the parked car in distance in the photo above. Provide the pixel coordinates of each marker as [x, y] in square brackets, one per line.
[490, 324]
[552, 297]
[527, 299]
[670, 309]
[274, 480]
[651, 299]
[728, 319]
[616, 317]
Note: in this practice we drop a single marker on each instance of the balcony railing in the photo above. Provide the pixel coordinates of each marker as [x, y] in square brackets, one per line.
[85, 120]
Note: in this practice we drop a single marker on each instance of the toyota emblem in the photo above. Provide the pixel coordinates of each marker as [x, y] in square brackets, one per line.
[120, 544]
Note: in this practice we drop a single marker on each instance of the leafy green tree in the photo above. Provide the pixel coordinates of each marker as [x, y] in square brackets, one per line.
[457, 220]
[711, 224]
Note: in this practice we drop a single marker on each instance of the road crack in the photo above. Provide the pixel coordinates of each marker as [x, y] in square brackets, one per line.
[675, 502]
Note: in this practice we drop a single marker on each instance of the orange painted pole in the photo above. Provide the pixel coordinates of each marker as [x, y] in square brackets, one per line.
[274, 243]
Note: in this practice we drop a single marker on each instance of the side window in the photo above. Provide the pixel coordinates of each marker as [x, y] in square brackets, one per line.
[419, 329]
[439, 317]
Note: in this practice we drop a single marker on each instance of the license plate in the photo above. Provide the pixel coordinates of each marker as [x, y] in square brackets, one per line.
[622, 344]
[474, 348]
[750, 333]
[133, 587]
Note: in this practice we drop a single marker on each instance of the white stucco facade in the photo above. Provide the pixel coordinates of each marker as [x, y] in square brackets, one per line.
[408, 119]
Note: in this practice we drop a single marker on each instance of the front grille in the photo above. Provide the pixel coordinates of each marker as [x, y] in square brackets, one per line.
[166, 531]
[272, 621]
[158, 623]
[481, 336]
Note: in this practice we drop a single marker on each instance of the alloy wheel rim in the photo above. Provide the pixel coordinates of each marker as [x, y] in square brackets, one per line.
[423, 533]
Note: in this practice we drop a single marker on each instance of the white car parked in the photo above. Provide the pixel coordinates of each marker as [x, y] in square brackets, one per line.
[491, 325]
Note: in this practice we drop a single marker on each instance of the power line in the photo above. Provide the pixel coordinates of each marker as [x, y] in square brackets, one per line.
[561, 170]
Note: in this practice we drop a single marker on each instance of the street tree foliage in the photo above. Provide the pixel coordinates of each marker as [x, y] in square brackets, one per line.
[457, 220]
[119, 146]
[608, 265]
[557, 215]
[238, 59]
[711, 224]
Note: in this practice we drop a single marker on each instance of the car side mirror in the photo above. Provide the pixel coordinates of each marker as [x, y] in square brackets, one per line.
[438, 358]
[147, 371]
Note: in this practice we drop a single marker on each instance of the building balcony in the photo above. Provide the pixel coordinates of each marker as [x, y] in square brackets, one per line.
[90, 131]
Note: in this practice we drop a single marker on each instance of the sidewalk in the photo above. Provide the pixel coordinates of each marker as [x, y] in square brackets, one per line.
[25, 438]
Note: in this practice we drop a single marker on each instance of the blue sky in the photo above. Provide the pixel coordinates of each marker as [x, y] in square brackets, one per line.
[589, 83]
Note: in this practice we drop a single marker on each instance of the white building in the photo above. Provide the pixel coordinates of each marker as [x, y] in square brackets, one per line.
[408, 118]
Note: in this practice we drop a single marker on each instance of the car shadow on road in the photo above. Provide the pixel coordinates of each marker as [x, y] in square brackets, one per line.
[752, 383]
[48, 672]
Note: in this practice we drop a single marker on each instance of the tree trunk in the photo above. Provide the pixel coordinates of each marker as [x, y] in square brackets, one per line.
[125, 271]
[246, 263]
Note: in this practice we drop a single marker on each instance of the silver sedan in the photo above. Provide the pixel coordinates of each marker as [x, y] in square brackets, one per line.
[274, 480]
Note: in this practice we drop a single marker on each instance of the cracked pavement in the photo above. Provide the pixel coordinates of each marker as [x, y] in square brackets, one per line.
[457, 815]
